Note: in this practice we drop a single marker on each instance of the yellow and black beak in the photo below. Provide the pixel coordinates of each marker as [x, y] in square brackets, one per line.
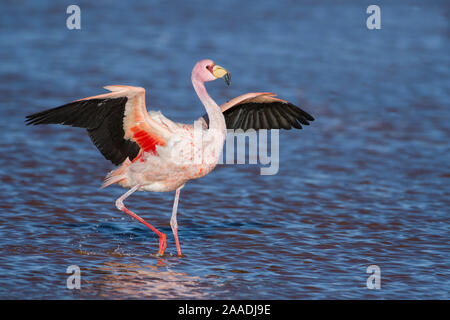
[220, 72]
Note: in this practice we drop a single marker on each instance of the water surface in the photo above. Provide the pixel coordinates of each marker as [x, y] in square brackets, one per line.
[367, 183]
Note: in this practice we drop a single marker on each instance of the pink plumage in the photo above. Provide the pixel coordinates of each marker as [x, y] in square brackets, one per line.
[157, 154]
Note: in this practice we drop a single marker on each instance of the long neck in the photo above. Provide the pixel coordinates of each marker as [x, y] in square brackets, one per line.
[216, 118]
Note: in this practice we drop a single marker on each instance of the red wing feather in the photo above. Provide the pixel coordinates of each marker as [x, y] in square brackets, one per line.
[146, 140]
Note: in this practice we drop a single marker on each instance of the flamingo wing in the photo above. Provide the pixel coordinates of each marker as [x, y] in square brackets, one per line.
[117, 122]
[261, 110]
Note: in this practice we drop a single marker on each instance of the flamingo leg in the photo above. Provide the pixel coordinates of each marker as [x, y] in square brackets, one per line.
[173, 220]
[121, 206]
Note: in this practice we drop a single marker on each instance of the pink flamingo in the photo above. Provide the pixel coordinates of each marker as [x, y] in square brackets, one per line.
[156, 154]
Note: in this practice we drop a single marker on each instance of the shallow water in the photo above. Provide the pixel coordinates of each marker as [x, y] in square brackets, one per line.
[367, 183]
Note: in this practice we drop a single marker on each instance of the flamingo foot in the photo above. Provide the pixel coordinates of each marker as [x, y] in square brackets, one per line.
[177, 242]
[162, 244]
[173, 220]
[121, 206]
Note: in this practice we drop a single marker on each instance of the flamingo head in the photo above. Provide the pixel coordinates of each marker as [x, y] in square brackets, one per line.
[207, 70]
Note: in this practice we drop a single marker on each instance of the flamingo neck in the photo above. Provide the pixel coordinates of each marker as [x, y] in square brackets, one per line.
[216, 118]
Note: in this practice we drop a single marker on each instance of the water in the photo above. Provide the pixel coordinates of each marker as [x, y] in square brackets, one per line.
[367, 183]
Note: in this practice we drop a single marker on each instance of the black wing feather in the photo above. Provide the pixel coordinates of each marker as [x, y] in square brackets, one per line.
[103, 119]
[265, 115]
[291, 119]
[282, 121]
[263, 120]
[273, 122]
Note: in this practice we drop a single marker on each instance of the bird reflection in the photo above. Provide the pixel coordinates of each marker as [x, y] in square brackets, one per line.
[118, 280]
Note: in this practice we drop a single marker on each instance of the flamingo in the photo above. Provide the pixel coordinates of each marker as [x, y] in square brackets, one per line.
[156, 154]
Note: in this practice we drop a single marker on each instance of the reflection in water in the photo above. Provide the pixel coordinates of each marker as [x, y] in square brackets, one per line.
[117, 280]
[367, 183]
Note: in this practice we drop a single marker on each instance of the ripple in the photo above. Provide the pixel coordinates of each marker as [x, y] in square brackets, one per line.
[366, 183]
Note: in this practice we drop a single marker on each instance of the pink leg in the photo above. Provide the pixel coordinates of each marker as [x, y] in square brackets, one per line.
[121, 206]
[173, 220]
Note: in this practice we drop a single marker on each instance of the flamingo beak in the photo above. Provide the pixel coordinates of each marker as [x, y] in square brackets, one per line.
[227, 78]
[220, 72]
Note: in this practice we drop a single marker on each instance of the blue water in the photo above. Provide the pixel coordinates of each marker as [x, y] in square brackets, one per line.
[366, 184]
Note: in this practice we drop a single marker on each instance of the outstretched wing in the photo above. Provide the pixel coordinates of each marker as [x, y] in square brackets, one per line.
[261, 110]
[117, 122]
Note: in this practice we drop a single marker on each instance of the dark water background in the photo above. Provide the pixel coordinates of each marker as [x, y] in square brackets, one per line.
[367, 183]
